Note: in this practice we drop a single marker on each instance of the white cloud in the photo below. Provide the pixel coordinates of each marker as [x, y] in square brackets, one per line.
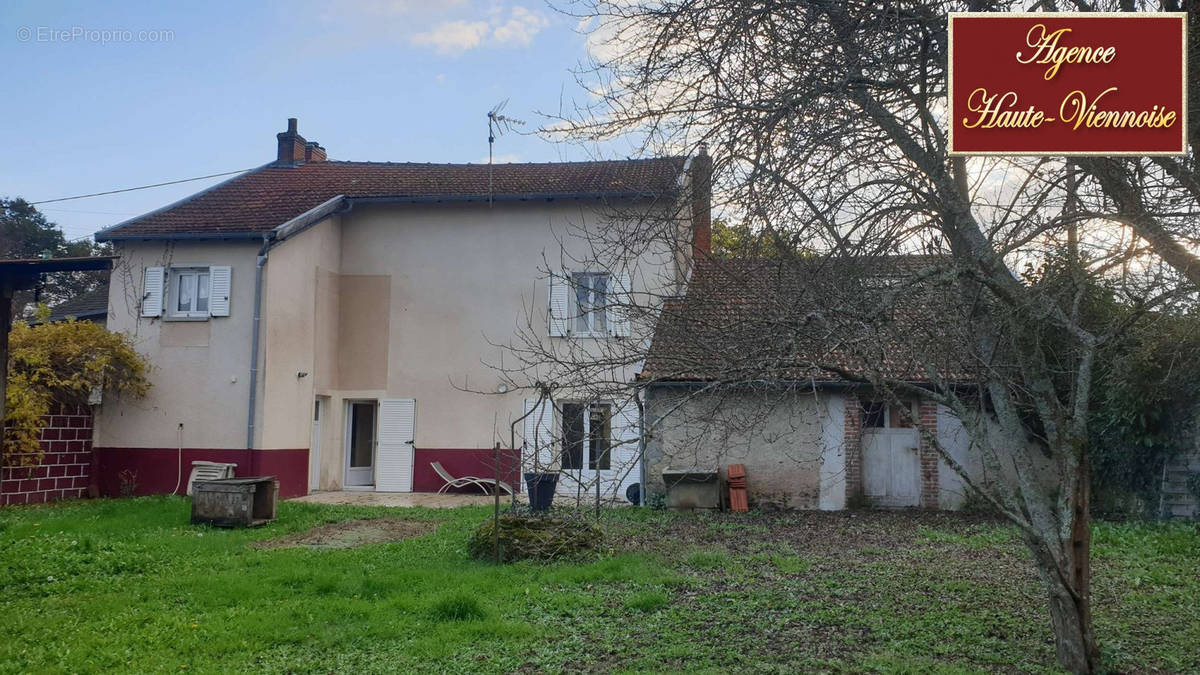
[520, 28]
[453, 37]
[458, 36]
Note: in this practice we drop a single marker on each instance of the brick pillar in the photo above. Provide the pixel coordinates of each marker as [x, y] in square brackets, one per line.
[929, 456]
[852, 442]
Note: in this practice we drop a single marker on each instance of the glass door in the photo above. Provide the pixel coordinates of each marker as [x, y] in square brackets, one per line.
[360, 444]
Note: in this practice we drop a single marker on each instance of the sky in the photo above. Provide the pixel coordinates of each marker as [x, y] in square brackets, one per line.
[104, 96]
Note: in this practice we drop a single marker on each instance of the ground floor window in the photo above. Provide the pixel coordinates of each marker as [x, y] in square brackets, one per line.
[587, 436]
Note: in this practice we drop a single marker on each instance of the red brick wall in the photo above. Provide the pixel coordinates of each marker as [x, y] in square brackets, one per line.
[929, 456]
[853, 447]
[64, 468]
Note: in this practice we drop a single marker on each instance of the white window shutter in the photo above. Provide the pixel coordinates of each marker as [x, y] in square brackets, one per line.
[558, 314]
[394, 458]
[153, 285]
[626, 454]
[219, 279]
[618, 306]
[539, 436]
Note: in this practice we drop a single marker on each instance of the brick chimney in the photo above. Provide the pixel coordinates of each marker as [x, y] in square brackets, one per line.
[701, 183]
[293, 149]
[313, 152]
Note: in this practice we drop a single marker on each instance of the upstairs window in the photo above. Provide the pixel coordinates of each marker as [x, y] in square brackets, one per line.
[186, 292]
[589, 305]
[591, 302]
[189, 292]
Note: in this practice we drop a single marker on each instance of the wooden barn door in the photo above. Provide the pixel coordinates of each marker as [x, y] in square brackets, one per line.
[891, 458]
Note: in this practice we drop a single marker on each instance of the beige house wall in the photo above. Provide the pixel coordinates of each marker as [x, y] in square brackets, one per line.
[465, 280]
[290, 328]
[200, 372]
[385, 301]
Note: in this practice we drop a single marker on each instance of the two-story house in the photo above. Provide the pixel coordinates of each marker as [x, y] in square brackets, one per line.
[339, 324]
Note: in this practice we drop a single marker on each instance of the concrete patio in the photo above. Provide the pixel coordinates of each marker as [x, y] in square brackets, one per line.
[429, 500]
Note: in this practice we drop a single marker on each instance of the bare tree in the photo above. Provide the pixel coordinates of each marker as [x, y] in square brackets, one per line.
[827, 123]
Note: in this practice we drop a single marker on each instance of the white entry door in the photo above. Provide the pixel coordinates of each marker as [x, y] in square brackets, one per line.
[397, 417]
[891, 467]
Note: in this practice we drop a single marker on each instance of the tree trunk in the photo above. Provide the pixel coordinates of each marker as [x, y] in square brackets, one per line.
[1066, 574]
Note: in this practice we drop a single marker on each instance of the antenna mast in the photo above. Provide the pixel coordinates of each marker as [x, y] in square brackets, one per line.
[497, 125]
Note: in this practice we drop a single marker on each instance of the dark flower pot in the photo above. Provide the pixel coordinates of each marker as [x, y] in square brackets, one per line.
[541, 490]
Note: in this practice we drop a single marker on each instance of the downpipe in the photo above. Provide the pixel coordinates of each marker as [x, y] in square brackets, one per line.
[637, 396]
[260, 262]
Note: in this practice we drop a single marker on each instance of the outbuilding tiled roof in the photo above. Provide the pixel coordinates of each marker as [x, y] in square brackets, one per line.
[756, 320]
[90, 305]
[261, 199]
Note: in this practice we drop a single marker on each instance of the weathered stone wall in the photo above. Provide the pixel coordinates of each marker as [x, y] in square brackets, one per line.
[777, 435]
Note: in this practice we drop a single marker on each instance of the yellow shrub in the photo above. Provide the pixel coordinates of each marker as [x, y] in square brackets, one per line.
[62, 362]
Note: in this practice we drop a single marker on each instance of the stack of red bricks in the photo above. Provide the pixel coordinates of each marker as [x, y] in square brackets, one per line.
[63, 469]
[736, 474]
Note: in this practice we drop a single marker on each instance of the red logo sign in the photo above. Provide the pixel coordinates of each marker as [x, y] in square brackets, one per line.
[1068, 84]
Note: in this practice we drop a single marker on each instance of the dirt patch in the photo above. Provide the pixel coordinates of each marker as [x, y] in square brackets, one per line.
[352, 534]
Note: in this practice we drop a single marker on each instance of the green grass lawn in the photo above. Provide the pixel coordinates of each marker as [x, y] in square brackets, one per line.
[130, 585]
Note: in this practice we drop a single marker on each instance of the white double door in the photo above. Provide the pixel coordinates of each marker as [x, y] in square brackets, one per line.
[891, 467]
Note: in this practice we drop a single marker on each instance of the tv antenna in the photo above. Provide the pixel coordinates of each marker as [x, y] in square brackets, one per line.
[497, 125]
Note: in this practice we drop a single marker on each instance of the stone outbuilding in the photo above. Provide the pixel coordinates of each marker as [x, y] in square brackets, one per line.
[723, 386]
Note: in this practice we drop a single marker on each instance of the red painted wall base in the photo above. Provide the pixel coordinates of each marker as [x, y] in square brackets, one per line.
[480, 463]
[149, 471]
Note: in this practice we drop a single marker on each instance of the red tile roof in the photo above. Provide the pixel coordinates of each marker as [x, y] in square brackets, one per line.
[267, 197]
[756, 320]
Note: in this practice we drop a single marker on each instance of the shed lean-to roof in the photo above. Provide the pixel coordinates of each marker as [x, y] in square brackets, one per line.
[22, 273]
[92, 304]
[756, 320]
[262, 199]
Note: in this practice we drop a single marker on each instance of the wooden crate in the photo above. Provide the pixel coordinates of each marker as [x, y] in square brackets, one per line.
[235, 502]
